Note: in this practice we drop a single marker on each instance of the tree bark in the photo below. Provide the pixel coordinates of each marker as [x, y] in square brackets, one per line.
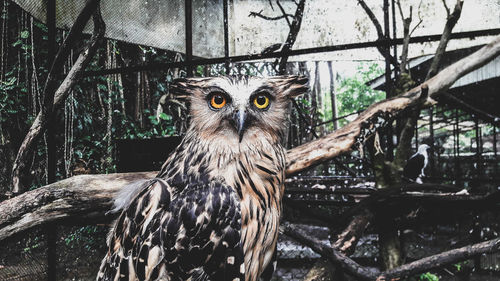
[76, 198]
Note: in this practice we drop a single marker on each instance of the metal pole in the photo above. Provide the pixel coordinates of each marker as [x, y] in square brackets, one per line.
[51, 230]
[478, 148]
[226, 36]
[457, 144]
[296, 52]
[188, 15]
[495, 152]
[431, 132]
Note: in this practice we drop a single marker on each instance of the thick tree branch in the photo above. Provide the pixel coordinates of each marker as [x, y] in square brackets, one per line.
[18, 211]
[441, 259]
[346, 138]
[361, 272]
[53, 97]
[84, 196]
[364, 273]
[403, 151]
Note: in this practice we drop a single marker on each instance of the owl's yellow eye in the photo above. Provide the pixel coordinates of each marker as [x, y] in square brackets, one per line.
[218, 101]
[261, 101]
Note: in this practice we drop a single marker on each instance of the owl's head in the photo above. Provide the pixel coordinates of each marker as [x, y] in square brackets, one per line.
[240, 107]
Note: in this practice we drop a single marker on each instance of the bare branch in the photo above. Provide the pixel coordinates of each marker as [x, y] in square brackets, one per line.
[445, 38]
[420, 20]
[446, 8]
[84, 196]
[416, 26]
[260, 15]
[398, 2]
[373, 18]
[292, 35]
[271, 4]
[380, 34]
[284, 13]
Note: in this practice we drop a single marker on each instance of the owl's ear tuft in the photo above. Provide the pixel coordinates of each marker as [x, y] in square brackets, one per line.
[292, 85]
[185, 86]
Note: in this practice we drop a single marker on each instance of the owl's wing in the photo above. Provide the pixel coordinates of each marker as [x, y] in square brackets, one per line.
[192, 234]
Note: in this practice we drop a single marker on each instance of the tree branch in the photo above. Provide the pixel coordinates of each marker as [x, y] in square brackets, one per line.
[380, 34]
[84, 196]
[446, 8]
[354, 133]
[52, 97]
[441, 259]
[284, 13]
[292, 35]
[18, 211]
[445, 38]
[365, 273]
[260, 15]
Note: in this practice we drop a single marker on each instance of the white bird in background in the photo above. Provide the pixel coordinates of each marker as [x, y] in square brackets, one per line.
[415, 166]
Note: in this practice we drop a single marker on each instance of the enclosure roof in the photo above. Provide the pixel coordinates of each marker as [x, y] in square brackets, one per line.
[420, 65]
[161, 24]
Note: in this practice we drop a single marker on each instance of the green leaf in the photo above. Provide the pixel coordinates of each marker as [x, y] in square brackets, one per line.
[165, 116]
[25, 34]
[17, 43]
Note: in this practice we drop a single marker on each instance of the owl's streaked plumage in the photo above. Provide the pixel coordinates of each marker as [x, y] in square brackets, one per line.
[213, 211]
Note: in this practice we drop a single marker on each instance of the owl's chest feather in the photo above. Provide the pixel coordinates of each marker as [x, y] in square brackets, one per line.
[260, 185]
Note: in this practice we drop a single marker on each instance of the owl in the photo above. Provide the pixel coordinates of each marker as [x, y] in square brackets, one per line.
[213, 211]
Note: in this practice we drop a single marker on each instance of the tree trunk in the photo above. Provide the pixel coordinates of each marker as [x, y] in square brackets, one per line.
[333, 97]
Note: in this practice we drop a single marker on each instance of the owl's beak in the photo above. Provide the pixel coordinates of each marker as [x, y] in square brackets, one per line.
[240, 122]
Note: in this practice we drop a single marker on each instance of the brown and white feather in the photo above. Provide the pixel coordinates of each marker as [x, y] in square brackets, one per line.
[217, 197]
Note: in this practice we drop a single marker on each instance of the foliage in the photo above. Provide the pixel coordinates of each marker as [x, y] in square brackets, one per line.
[353, 94]
[428, 277]
[85, 237]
